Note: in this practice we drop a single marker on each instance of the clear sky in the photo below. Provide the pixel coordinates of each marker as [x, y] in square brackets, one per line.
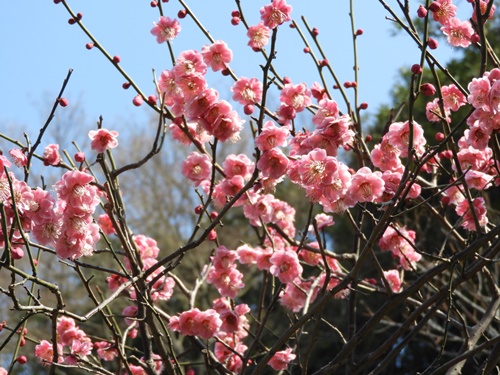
[39, 47]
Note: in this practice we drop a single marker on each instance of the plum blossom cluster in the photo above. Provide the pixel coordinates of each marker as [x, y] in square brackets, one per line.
[475, 157]
[272, 15]
[459, 33]
[65, 223]
[185, 90]
[401, 243]
[73, 344]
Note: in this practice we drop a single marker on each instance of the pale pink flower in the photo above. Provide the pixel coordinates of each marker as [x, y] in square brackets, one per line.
[281, 359]
[453, 98]
[394, 280]
[197, 168]
[168, 87]
[189, 62]
[45, 351]
[271, 136]
[217, 56]
[106, 350]
[483, 5]
[226, 280]
[208, 324]
[238, 165]
[258, 36]
[479, 89]
[445, 12]
[296, 96]
[263, 258]
[166, 29]
[18, 157]
[247, 90]
[273, 163]
[318, 92]
[228, 127]
[190, 85]
[247, 254]
[477, 136]
[285, 265]
[103, 139]
[494, 96]
[294, 298]
[322, 221]
[105, 224]
[286, 113]
[276, 13]
[366, 186]
[458, 32]
[463, 209]
[326, 108]
[186, 323]
[478, 180]
[198, 105]
[399, 136]
[434, 114]
[147, 246]
[51, 155]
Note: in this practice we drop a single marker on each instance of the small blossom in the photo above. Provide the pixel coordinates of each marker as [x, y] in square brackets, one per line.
[281, 359]
[258, 35]
[51, 155]
[276, 13]
[458, 32]
[166, 29]
[217, 55]
[103, 139]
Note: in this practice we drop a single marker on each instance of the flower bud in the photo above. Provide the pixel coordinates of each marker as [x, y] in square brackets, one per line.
[116, 59]
[63, 102]
[432, 43]
[416, 69]
[137, 101]
[427, 89]
[421, 11]
[182, 13]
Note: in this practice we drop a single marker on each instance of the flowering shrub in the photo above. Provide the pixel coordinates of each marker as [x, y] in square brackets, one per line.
[264, 305]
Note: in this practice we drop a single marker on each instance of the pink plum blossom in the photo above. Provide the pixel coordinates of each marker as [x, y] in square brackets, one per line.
[217, 55]
[276, 13]
[366, 186]
[258, 36]
[165, 29]
[271, 136]
[296, 96]
[281, 359]
[197, 168]
[18, 157]
[273, 163]
[103, 139]
[394, 280]
[285, 265]
[463, 209]
[189, 62]
[247, 90]
[446, 11]
[458, 32]
[51, 155]
[453, 98]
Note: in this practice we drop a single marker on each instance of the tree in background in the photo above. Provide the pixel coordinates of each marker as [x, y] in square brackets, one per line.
[213, 258]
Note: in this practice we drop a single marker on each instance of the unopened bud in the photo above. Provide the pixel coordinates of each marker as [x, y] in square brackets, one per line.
[432, 43]
[421, 12]
[427, 89]
[182, 13]
[416, 69]
[137, 101]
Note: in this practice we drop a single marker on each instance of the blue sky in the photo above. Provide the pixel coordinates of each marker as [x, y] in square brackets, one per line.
[39, 47]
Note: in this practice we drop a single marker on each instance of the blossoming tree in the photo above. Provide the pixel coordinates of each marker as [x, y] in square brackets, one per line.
[264, 305]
